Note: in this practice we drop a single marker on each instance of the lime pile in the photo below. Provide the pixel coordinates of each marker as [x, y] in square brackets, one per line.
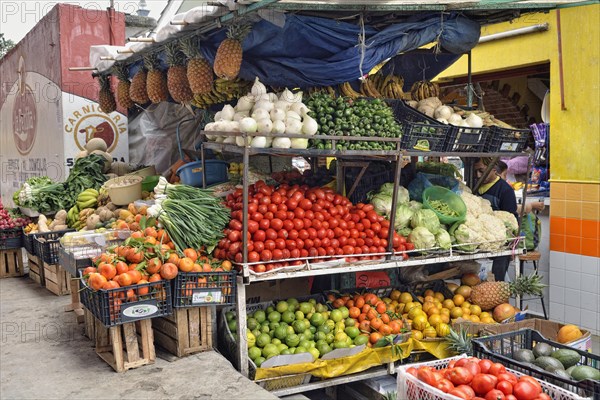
[291, 327]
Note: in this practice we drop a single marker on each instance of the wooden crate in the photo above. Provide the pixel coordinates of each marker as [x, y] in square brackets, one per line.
[57, 280]
[187, 331]
[36, 269]
[126, 346]
[89, 321]
[11, 263]
[75, 305]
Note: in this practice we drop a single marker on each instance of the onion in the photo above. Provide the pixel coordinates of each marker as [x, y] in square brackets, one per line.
[293, 115]
[227, 113]
[258, 89]
[277, 114]
[299, 108]
[282, 104]
[278, 127]
[245, 103]
[309, 126]
[281, 143]
[259, 142]
[443, 112]
[218, 116]
[298, 143]
[293, 126]
[474, 121]
[442, 120]
[287, 96]
[248, 125]
[260, 113]
[297, 97]
[241, 114]
[264, 125]
[272, 97]
[229, 140]
[264, 104]
[455, 119]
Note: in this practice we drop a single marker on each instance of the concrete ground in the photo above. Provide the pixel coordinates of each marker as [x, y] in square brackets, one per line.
[43, 355]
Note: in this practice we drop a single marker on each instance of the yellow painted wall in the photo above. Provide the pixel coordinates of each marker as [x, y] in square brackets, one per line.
[575, 132]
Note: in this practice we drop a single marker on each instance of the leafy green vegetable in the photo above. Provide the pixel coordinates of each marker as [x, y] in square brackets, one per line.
[403, 216]
[422, 238]
[443, 239]
[427, 219]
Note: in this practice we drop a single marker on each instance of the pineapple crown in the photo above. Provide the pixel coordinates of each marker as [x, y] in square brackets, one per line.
[190, 47]
[121, 71]
[529, 285]
[151, 61]
[459, 342]
[174, 54]
[104, 81]
[239, 31]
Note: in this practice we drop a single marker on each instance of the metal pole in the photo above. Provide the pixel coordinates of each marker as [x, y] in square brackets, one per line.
[469, 82]
[245, 206]
[390, 247]
[242, 350]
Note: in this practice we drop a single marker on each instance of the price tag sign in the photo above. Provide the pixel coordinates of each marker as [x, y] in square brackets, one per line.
[204, 296]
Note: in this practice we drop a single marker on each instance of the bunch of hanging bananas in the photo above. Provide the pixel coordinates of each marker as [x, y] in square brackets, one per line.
[73, 216]
[222, 91]
[376, 86]
[421, 90]
[328, 90]
[103, 198]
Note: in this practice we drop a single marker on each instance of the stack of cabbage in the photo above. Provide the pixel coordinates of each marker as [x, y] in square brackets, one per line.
[261, 113]
[483, 229]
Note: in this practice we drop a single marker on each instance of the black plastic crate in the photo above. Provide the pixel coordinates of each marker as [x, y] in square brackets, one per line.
[506, 140]
[47, 249]
[500, 348]
[418, 126]
[418, 289]
[11, 238]
[28, 242]
[54, 235]
[468, 140]
[196, 289]
[376, 175]
[127, 304]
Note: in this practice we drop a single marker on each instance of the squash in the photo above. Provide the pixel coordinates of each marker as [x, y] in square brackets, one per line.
[96, 144]
[43, 224]
[568, 333]
[120, 168]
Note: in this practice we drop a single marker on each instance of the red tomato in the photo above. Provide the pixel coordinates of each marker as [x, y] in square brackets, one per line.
[426, 375]
[298, 224]
[497, 368]
[505, 387]
[495, 395]
[288, 225]
[507, 376]
[485, 366]
[409, 246]
[444, 385]
[276, 224]
[526, 390]
[483, 383]
[305, 204]
[269, 245]
[460, 394]
[466, 389]
[510, 397]
[253, 256]
[460, 376]
[452, 364]
[266, 255]
[277, 254]
[473, 367]
[543, 396]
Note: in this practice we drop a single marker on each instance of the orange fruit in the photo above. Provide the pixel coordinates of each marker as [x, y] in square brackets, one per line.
[458, 299]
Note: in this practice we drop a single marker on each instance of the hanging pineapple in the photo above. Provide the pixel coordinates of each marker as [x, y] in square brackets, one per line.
[156, 81]
[177, 80]
[228, 60]
[421, 90]
[199, 71]
[137, 90]
[106, 98]
[123, 86]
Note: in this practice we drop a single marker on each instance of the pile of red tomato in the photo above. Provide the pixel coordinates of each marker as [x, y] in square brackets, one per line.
[293, 222]
[475, 379]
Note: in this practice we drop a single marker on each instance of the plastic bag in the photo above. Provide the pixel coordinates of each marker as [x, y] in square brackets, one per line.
[422, 181]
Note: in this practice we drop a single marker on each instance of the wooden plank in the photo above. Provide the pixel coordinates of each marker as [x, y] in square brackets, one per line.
[165, 326]
[117, 348]
[131, 342]
[11, 263]
[182, 328]
[148, 340]
[166, 342]
[194, 323]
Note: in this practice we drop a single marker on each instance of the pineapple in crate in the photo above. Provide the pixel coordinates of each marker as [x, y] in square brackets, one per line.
[137, 89]
[124, 86]
[106, 97]
[156, 81]
[228, 60]
[199, 71]
[177, 80]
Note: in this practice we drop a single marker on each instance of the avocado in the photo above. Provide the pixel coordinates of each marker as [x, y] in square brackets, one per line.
[524, 355]
[542, 349]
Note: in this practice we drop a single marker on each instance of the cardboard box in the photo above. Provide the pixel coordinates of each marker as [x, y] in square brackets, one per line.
[276, 290]
[548, 329]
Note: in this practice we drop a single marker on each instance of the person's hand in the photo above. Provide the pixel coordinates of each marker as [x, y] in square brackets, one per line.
[538, 205]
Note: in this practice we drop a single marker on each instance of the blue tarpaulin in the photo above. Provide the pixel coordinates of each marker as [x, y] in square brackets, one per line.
[312, 51]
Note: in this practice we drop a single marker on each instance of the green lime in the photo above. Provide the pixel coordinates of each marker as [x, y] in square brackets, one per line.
[315, 352]
[350, 322]
[270, 350]
[281, 347]
[290, 330]
[317, 319]
[272, 334]
[341, 336]
[281, 306]
[299, 315]
[263, 339]
[260, 316]
[292, 302]
[232, 326]
[337, 345]
[256, 332]
[320, 335]
[252, 324]
[286, 352]
[336, 315]
[274, 316]
[312, 329]
[345, 311]
[330, 337]
[273, 326]
[305, 308]
[259, 361]
[288, 316]
[361, 339]
[254, 353]
[320, 342]
[352, 332]
[300, 349]
[330, 323]
[320, 308]
[275, 341]
[281, 332]
[299, 326]
[265, 329]
[312, 301]
[229, 315]
[309, 335]
[270, 309]
[323, 348]
[251, 339]
[292, 340]
[292, 350]
[324, 328]
[304, 343]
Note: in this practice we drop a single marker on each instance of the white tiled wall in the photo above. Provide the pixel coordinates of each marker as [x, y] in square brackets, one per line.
[575, 290]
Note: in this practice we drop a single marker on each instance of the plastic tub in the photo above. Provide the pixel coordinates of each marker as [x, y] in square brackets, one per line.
[149, 183]
[124, 189]
[191, 173]
[450, 198]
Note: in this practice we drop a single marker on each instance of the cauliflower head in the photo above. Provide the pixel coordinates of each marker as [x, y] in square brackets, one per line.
[510, 221]
[493, 232]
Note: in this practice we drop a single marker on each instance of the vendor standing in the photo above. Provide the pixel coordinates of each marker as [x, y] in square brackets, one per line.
[502, 197]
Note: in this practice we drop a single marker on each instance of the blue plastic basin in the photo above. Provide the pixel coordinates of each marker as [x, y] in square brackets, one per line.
[191, 173]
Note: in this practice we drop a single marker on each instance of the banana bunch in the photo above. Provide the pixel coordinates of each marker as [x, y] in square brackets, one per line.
[88, 198]
[517, 185]
[82, 218]
[390, 86]
[347, 91]
[368, 89]
[103, 198]
[421, 90]
[328, 90]
[222, 91]
[31, 227]
[73, 216]
[236, 168]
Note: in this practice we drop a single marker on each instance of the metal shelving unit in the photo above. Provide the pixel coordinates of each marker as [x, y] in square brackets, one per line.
[391, 260]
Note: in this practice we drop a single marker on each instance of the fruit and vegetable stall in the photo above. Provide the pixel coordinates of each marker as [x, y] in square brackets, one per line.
[375, 275]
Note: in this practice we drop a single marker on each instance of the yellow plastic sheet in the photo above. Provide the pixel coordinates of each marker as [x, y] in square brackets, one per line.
[362, 361]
